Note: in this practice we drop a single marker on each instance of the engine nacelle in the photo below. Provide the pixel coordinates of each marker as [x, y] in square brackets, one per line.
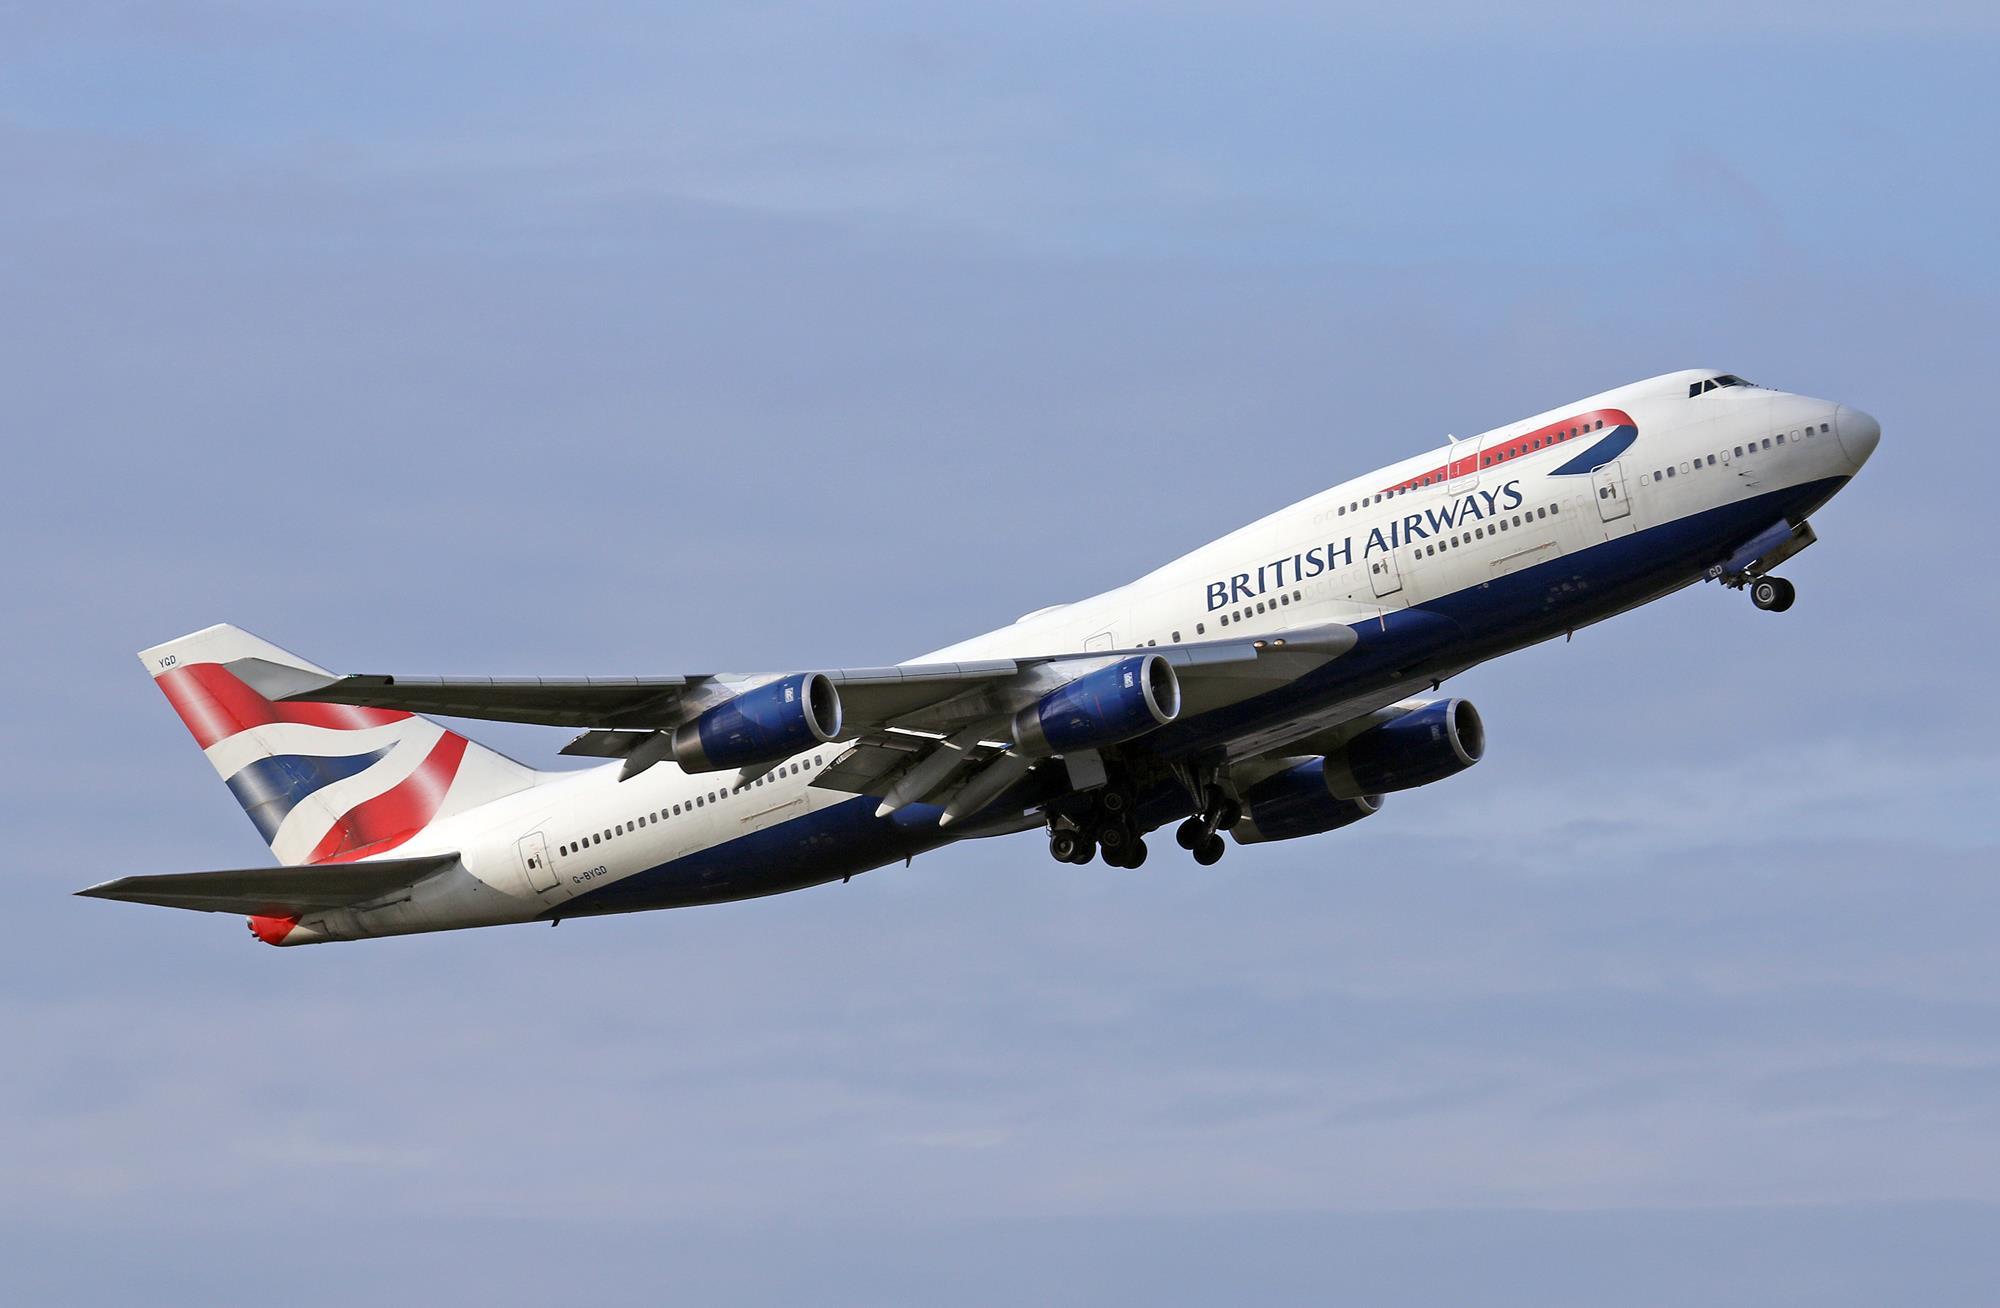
[1424, 744]
[1296, 802]
[772, 722]
[1113, 704]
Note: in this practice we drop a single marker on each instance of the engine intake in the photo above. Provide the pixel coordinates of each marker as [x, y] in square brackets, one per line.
[1416, 747]
[772, 722]
[1113, 704]
[1297, 802]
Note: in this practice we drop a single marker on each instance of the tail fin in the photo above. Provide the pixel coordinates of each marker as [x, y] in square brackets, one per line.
[324, 783]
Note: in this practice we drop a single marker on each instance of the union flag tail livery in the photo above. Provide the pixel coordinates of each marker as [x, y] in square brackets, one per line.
[1270, 685]
[323, 783]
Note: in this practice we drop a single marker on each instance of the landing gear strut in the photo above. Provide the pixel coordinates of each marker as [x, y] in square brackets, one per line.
[1198, 835]
[1772, 594]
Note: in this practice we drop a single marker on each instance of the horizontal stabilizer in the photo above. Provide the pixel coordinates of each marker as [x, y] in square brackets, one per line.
[276, 891]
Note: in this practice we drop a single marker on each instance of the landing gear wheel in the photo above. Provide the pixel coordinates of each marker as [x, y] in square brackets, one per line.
[1113, 835]
[1209, 852]
[1115, 858]
[1228, 815]
[1191, 833]
[1773, 594]
[1063, 846]
[1135, 855]
[1114, 800]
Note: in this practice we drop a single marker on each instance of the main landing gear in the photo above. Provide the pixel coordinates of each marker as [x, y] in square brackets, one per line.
[1772, 594]
[1106, 827]
[1200, 836]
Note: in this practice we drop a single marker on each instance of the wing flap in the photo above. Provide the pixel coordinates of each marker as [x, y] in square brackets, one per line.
[276, 891]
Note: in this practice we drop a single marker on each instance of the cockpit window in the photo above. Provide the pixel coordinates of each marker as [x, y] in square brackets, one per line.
[1716, 383]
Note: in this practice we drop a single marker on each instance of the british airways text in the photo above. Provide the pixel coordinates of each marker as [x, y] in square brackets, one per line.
[1416, 526]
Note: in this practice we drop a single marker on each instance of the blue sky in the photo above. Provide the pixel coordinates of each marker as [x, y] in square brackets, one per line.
[606, 338]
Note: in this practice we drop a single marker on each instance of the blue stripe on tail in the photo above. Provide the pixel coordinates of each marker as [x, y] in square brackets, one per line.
[270, 788]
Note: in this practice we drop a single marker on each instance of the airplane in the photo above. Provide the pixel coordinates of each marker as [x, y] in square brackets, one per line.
[1274, 684]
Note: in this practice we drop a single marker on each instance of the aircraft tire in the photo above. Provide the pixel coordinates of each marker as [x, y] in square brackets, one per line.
[1773, 594]
[1209, 852]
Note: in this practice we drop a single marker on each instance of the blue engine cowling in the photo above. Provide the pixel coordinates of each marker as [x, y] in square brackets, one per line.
[1414, 748]
[1296, 802]
[772, 722]
[1113, 704]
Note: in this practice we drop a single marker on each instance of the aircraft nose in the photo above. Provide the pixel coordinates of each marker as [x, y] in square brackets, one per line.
[1859, 433]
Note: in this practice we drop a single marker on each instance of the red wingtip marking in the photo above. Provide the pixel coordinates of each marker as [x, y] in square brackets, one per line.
[272, 930]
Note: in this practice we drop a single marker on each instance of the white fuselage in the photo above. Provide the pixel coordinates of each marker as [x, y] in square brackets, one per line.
[1432, 537]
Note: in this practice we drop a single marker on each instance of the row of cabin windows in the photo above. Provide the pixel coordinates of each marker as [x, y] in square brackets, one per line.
[1536, 443]
[1436, 478]
[688, 806]
[1252, 610]
[1769, 442]
[1200, 629]
[1481, 533]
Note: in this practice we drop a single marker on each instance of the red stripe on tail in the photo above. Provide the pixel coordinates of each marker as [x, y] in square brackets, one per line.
[215, 705]
[392, 817]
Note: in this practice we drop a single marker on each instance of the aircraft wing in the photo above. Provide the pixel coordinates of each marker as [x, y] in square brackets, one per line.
[276, 891]
[918, 730]
[937, 697]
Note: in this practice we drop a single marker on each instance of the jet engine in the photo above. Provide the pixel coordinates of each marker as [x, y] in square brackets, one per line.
[1414, 748]
[1105, 707]
[771, 722]
[1296, 802]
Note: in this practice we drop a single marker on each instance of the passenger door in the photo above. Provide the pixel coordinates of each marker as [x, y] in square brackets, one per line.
[535, 864]
[1607, 484]
[1384, 576]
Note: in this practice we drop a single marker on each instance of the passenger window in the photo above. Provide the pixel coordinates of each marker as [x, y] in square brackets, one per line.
[1739, 451]
[1781, 438]
[1711, 460]
[1200, 629]
[1177, 638]
[1825, 428]
[1555, 508]
[1767, 442]
[1670, 472]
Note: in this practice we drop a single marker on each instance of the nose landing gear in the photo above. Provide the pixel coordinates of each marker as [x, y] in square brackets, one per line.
[1772, 594]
